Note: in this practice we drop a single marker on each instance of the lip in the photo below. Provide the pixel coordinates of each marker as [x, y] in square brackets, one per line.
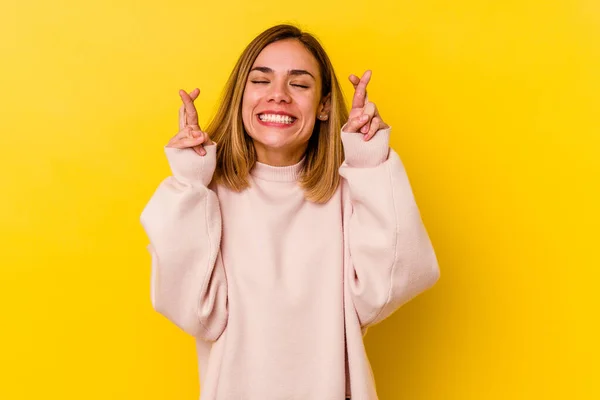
[277, 113]
[275, 124]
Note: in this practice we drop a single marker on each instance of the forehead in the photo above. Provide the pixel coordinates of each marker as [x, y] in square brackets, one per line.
[285, 55]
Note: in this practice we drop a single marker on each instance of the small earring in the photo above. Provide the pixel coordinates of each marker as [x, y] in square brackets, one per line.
[323, 117]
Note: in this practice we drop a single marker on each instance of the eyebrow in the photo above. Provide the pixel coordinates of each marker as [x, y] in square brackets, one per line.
[293, 72]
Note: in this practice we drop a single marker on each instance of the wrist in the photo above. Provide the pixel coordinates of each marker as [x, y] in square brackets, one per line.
[361, 154]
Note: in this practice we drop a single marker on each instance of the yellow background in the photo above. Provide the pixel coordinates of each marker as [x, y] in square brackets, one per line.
[495, 107]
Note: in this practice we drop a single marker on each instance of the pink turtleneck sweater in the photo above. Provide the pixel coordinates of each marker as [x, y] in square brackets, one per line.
[279, 291]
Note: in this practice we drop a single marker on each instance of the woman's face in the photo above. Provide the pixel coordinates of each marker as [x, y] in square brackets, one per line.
[281, 100]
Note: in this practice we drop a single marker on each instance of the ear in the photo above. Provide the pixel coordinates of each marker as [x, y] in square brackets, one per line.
[324, 108]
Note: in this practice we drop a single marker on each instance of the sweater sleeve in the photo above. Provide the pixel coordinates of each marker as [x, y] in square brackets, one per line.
[183, 223]
[390, 251]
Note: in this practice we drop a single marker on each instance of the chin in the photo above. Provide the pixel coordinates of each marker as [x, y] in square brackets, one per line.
[272, 139]
[272, 143]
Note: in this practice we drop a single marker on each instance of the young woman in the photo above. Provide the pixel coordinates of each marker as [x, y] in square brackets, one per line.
[287, 228]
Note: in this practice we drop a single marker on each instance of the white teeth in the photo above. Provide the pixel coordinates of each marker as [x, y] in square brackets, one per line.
[281, 119]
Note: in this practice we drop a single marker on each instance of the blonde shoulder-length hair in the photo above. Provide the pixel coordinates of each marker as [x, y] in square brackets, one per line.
[235, 151]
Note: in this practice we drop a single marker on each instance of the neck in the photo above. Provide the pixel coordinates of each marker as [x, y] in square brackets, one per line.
[279, 157]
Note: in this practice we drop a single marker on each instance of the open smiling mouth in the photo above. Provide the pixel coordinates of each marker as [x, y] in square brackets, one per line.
[276, 120]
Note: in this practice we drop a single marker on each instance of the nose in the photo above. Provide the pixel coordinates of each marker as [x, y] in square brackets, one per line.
[279, 93]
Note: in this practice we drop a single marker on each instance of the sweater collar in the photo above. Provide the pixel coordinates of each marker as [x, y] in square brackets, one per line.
[268, 172]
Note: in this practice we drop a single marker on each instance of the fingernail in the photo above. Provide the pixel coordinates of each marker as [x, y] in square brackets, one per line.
[364, 117]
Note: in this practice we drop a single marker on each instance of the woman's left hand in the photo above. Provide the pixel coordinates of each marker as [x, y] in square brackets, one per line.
[364, 116]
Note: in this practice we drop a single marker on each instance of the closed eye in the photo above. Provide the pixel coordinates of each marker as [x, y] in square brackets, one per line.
[292, 84]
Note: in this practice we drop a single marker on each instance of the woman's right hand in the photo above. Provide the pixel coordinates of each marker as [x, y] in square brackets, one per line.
[190, 135]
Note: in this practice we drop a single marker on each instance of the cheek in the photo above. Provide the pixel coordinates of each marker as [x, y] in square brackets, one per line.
[245, 100]
[250, 101]
[247, 106]
[309, 107]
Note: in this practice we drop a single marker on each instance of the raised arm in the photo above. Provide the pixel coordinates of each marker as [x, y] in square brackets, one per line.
[392, 257]
[183, 222]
